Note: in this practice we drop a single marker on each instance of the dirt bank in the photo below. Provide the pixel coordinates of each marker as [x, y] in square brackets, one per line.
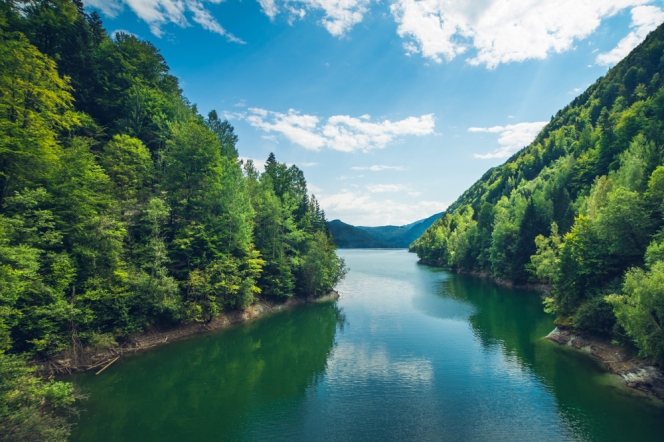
[87, 358]
[640, 374]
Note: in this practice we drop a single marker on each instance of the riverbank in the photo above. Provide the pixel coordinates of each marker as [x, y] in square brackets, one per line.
[544, 288]
[88, 358]
[639, 374]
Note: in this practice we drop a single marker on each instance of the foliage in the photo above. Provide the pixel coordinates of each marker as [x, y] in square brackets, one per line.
[30, 409]
[640, 310]
[122, 208]
[579, 208]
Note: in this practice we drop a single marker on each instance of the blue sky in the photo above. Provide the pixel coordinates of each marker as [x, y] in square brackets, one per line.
[391, 108]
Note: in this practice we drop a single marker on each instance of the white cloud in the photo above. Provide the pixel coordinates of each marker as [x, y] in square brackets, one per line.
[644, 20]
[258, 164]
[512, 137]
[308, 164]
[378, 168]
[110, 8]
[269, 8]
[115, 33]
[339, 16]
[381, 188]
[157, 13]
[339, 132]
[314, 189]
[501, 31]
[363, 209]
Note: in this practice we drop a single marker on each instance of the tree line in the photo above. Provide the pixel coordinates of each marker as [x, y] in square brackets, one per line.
[581, 209]
[122, 208]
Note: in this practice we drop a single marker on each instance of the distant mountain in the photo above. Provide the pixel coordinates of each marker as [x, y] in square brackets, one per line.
[350, 237]
[347, 236]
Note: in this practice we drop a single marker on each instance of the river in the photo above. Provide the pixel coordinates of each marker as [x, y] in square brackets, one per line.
[409, 352]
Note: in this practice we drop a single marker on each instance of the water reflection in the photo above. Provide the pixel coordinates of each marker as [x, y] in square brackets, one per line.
[192, 389]
[593, 405]
[425, 355]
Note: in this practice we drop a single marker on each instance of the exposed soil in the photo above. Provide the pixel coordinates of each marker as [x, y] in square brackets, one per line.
[87, 358]
[640, 374]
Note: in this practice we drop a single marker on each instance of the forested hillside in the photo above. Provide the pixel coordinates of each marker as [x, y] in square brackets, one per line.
[580, 208]
[122, 208]
[346, 236]
[402, 236]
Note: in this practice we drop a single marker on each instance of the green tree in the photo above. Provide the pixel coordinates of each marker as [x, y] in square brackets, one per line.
[640, 310]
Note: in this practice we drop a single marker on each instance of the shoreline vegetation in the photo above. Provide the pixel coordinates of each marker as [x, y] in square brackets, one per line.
[123, 209]
[97, 358]
[641, 374]
[580, 213]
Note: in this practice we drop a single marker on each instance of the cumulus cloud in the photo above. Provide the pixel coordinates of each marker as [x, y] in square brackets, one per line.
[381, 188]
[378, 168]
[111, 8]
[363, 209]
[644, 20]
[258, 164]
[339, 16]
[115, 33]
[157, 13]
[500, 31]
[313, 189]
[512, 137]
[339, 132]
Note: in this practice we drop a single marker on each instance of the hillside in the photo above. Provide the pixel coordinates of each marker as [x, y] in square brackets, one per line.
[123, 209]
[350, 237]
[579, 208]
[347, 236]
[401, 236]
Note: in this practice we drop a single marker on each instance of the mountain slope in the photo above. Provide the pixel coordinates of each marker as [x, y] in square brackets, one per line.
[402, 236]
[347, 236]
[580, 208]
[350, 237]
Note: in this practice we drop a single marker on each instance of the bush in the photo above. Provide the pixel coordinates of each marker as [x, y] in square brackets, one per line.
[595, 316]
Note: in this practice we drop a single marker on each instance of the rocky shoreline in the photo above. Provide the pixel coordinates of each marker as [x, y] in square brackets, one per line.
[86, 358]
[639, 374]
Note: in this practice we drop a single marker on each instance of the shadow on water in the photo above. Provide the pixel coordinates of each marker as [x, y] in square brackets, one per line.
[595, 405]
[427, 355]
[211, 386]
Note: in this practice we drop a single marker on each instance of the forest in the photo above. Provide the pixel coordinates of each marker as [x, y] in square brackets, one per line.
[580, 209]
[123, 208]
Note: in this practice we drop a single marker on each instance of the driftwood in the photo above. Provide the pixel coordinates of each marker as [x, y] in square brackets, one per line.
[86, 358]
[107, 365]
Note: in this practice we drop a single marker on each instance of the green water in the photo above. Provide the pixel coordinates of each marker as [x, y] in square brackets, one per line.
[408, 353]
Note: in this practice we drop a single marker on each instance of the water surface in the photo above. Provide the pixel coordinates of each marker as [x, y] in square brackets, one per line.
[409, 352]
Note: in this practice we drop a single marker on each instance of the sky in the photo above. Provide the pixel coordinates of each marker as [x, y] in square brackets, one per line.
[391, 108]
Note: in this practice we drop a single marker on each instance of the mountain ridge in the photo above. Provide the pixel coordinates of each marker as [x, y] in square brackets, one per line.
[347, 236]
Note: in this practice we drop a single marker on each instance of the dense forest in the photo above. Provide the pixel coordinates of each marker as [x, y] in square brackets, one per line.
[346, 236]
[122, 208]
[581, 209]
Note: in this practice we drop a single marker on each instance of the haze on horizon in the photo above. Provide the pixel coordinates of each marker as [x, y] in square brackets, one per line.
[392, 109]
